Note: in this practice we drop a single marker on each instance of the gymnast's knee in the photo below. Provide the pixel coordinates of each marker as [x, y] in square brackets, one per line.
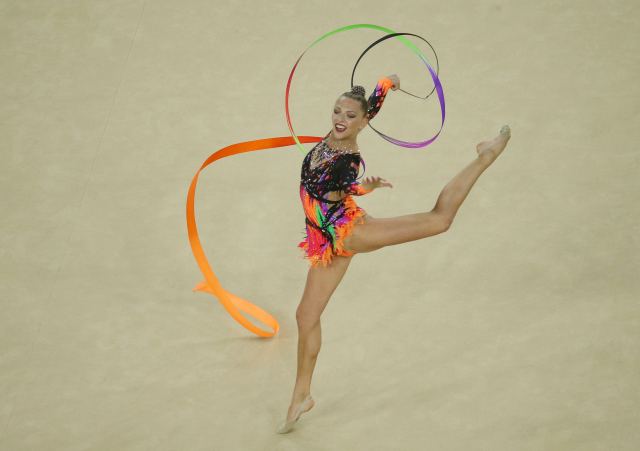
[446, 223]
[305, 319]
[439, 222]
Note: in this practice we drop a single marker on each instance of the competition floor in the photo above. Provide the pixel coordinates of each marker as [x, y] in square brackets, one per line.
[517, 329]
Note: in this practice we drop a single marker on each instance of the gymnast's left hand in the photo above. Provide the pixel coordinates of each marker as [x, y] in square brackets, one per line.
[372, 183]
[396, 81]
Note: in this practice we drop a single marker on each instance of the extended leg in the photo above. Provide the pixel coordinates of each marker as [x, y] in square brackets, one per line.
[456, 191]
[376, 233]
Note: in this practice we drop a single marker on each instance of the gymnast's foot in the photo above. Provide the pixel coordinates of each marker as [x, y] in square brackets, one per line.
[488, 151]
[296, 409]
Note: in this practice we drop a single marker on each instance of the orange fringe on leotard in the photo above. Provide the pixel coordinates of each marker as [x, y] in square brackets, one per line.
[318, 257]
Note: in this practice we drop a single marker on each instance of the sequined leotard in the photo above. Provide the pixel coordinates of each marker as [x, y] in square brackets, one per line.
[329, 178]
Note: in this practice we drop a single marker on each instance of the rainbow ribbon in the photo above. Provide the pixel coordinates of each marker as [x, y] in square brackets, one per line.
[235, 304]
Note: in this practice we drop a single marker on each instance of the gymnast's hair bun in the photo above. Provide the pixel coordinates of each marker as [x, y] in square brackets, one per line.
[358, 90]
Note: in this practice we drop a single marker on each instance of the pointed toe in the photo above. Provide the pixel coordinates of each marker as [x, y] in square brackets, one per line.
[287, 426]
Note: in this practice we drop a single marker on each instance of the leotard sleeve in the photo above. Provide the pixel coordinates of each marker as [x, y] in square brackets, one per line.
[347, 168]
[356, 189]
[377, 96]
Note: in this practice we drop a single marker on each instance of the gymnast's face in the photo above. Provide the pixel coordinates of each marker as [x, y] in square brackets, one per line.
[348, 113]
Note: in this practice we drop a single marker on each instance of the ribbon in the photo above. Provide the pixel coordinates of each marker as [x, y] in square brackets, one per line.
[231, 302]
[392, 34]
[234, 304]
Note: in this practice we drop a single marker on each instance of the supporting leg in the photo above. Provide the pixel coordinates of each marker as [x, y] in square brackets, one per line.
[320, 286]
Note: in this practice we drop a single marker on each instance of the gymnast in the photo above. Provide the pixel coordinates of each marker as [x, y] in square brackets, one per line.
[336, 228]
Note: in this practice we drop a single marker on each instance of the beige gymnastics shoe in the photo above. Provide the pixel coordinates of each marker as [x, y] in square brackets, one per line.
[286, 426]
[488, 151]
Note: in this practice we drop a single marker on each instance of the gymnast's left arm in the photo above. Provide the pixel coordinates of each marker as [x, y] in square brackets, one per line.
[369, 184]
[346, 173]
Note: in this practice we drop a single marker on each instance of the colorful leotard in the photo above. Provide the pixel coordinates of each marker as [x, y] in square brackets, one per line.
[324, 170]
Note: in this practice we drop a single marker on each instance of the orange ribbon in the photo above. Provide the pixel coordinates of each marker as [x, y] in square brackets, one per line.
[234, 304]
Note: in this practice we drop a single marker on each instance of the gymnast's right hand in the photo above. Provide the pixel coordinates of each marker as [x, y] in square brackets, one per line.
[371, 183]
[396, 81]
